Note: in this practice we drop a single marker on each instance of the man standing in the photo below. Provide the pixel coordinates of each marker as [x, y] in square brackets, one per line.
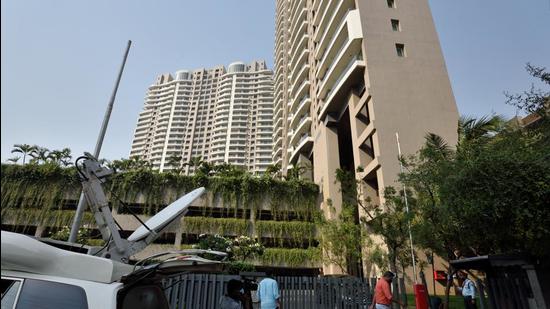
[268, 293]
[468, 291]
[232, 300]
[382, 292]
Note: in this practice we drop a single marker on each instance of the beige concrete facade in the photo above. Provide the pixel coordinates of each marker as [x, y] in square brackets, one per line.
[349, 75]
[215, 114]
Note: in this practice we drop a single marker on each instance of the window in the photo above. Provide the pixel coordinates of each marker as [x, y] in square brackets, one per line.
[44, 294]
[400, 48]
[10, 289]
[395, 25]
[391, 4]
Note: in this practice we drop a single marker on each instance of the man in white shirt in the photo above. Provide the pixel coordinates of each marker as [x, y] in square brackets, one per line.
[468, 291]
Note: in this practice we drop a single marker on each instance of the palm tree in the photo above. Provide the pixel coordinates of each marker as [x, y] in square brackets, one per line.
[66, 157]
[472, 129]
[39, 154]
[297, 171]
[24, 149]
[195, 162]
[436, 145]
[61, 157]
[14, 160]
[273, 171]
[174, 161]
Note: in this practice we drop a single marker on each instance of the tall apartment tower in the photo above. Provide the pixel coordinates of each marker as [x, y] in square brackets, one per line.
[215, 114]
[349, 75]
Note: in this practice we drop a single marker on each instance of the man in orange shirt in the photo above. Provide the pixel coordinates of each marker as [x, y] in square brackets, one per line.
[382, 292]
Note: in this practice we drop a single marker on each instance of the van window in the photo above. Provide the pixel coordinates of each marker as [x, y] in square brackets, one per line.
[10, 288]
[54, 295]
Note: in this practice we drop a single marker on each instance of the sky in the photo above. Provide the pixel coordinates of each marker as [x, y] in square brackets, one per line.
[59, 59]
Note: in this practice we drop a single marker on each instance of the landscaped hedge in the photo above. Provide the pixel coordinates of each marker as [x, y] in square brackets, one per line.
[291, 257]
[222, 226]
[45, 186]
[38, 217]
[33, 195]
[295, 231]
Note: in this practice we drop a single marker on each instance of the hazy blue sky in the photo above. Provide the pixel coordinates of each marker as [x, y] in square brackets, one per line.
[60, 58]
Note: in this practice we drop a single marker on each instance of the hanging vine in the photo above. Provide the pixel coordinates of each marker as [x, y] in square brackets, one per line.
[291, 257]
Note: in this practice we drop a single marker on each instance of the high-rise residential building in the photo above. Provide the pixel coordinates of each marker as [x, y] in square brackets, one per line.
[349, 75]
[215, 114]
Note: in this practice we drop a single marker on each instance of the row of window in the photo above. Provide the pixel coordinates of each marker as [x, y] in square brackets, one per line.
[396, 26]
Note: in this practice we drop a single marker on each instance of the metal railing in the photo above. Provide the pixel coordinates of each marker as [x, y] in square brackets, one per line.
[297, 292]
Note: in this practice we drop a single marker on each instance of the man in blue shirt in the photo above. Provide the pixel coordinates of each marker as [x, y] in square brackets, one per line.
[268, 294]
[468, 291]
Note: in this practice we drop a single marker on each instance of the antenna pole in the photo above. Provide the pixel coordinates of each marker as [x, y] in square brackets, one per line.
[407, 207]
[82, 201]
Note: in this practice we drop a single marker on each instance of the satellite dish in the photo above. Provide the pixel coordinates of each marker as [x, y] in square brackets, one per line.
[159, 221]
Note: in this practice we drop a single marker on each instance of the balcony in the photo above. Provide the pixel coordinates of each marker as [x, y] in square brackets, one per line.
[295, 103]
[303, 107]
[347, 40]
[318, 7]
[303, 127]
[298, 34]
[295, 19]
[301, 59]
[351, 76]
[302, 75]
[298, 117]
[305, 144]
[302, 90]
[300, 47]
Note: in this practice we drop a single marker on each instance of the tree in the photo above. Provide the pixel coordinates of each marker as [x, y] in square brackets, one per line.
[389, 220]
[534, 100]
[296, 171]
[244, 248]
[194, 163]
[24, 149]
[488, 196]
[61, 157]
[228, 170]
[133, 163]
[14, 160]
[174, 161]
[240, 248]
[273, 171]
[39, 154]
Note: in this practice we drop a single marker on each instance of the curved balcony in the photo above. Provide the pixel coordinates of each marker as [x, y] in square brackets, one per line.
[299, 79]
[302, 30]
[303, 127]
[297, 48]
[351, 76]
[318, 7]
[303, 109]
[278, 122]
[299, 115]
[303, 89]
[295, 20]
[305, 145]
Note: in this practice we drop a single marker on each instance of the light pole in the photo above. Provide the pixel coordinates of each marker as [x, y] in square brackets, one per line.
[82, 202]
[407, 207]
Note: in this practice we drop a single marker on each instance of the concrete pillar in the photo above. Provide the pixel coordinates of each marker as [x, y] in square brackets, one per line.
[326, 160]
[179, 231]
[306, 164]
